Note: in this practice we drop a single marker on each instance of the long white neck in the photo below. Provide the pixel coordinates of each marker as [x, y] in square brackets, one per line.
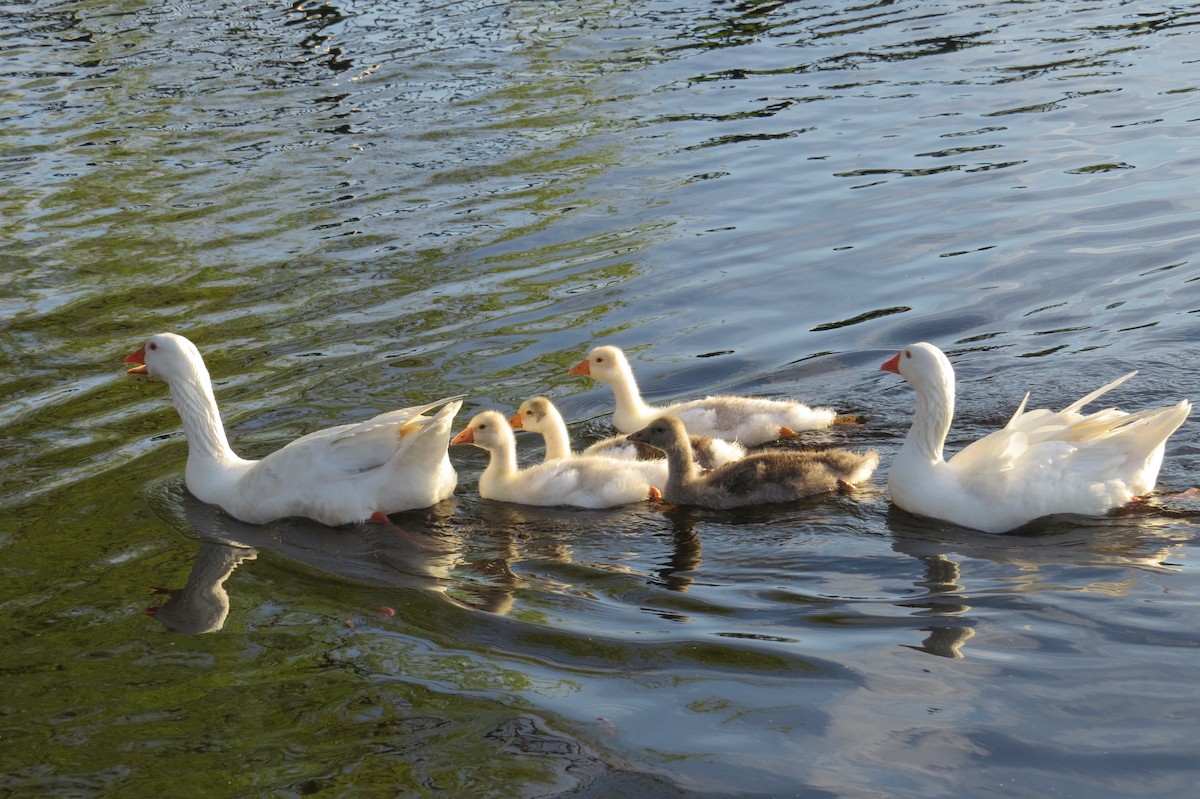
[632, 412]
[502, 465]
[554, 430]
[197, 406]
[935, 410]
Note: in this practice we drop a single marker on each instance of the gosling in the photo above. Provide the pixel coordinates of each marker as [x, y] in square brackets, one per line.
[760, 477]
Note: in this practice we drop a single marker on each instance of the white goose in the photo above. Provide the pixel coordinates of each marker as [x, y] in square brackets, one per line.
[539, 415]
[597, 482]
[351, 473]
[747, 420]
[1041, 463]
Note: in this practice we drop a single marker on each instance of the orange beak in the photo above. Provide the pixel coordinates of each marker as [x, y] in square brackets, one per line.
[892, 365]
[515, 422]
[581, 368]
[465, 437]
[139, 358]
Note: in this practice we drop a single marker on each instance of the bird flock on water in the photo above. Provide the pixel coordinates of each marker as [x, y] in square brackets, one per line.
[712, 452]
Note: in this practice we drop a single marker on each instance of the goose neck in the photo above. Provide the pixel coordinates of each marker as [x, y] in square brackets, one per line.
[502, 461]
[935, 410]
[557, 440]
[197, 407]
[626, 392]
[681, 465]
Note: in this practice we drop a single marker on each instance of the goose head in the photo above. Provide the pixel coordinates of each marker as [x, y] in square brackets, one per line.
[166, 356]
[665, 433]
[534, 414]
[923, 366]
[605, 364]
[487, 430]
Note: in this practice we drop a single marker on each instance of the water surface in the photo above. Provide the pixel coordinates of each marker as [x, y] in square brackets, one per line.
[354, 206]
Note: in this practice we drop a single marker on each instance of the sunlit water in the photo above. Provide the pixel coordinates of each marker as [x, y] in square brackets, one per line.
[353, 206]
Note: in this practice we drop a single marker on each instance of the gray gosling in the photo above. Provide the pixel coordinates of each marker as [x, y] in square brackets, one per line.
[760, 477]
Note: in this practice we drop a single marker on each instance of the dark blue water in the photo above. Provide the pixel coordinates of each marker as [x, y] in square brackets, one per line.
[354, 206]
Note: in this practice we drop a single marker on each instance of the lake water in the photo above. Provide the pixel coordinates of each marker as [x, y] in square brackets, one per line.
[352, 206]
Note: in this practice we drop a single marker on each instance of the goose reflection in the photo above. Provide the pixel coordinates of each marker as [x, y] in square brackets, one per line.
[421, 550]
[202, 605]
[943, 594]
[943, 601]
[680, 567]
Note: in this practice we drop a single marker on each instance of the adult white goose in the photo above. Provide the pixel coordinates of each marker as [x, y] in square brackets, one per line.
[351, 473]
[747, 420]
[1041, 463]
[539, 415]
[597, 482]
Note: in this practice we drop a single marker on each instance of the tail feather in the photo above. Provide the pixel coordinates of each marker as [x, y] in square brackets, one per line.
[408, 418]
[443, 417]
[1154, 425]
[1082, 401]
[1020, 410]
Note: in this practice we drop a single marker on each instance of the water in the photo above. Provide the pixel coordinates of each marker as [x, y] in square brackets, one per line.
[353, 206]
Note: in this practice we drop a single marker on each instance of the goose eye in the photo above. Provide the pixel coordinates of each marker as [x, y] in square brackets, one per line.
[907, 353]
[152, 345]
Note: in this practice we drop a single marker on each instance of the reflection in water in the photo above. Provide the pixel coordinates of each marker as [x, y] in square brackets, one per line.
[943, 600]
[420, 551]
[202, 605]
[353, 200]
[678, 571]
[1049, 543]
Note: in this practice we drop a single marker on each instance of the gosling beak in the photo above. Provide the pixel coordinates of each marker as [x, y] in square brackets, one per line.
[581, 368]
[139, 358]
[465, 437]
[515, 422]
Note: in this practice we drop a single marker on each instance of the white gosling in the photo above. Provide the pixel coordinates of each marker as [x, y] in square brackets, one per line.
[597, 482]
[758, 478]
[1041, 463]
[351, 473]
[747, 420]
